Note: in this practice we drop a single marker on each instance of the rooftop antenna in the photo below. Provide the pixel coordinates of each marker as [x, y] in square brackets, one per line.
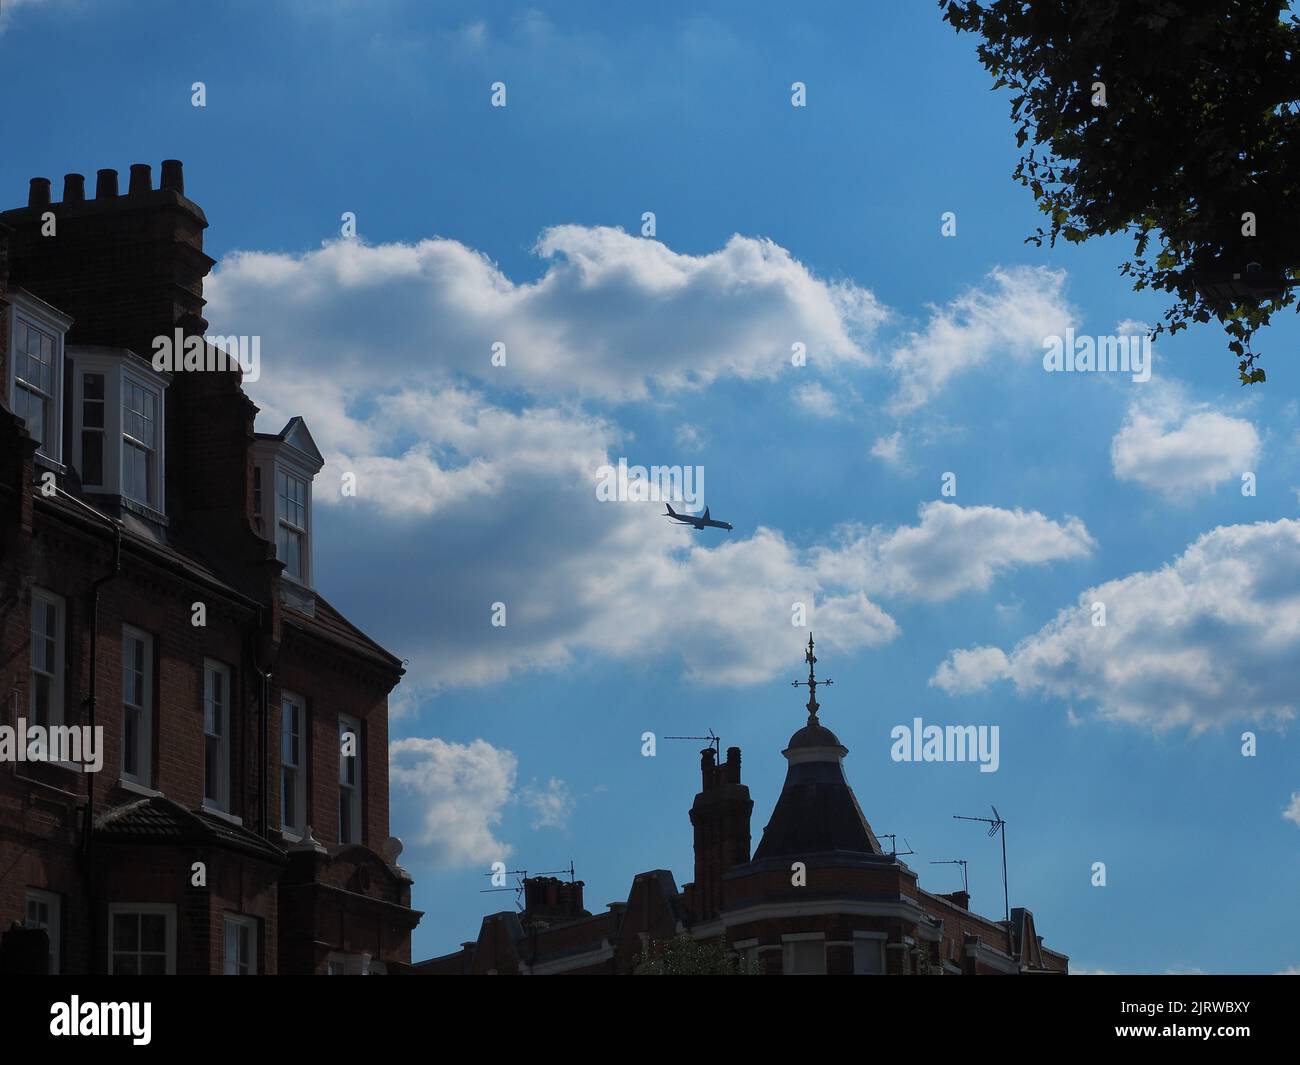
[715, 741]
[518, 889]
[996, 824]
[557, 872]
[894, 852]
[965, 882]
[811, 683]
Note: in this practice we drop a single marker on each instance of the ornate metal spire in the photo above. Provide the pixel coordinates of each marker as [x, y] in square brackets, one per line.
[811, 683]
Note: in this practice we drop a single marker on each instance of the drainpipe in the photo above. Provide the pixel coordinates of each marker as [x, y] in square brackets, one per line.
[264, 698]
[88, 826]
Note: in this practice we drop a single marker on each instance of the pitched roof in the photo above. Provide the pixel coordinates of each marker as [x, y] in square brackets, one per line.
[328, 624]
[160, 820]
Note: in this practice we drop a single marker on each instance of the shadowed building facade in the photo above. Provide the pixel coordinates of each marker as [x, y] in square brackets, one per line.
[156, 584]
[819, 895]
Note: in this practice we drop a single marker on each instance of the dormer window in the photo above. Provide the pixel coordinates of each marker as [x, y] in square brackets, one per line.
[118, 408]
[36, 371]
[291, 531]
[284, 466]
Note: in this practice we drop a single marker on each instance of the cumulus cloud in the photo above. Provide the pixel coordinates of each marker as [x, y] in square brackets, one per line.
[612, 315]
[1011, 313]
[1210, 638]
[953, 549]
[461, 791]
[1292, 812]
[1178, 448]
[551, 804]
[471, 493]
[968, 671]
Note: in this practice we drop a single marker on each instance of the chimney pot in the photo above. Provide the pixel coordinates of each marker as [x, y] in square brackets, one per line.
[141, 179]
[105, 184]
[39, 193]
[74, 188]
[173, 176]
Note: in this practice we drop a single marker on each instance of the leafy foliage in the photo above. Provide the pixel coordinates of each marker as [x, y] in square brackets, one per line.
[684, 956]
[1199, 126]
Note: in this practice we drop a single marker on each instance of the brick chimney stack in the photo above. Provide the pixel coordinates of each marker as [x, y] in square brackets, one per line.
[126, 268]
[720, 815]
[129, 268]
[549, 900]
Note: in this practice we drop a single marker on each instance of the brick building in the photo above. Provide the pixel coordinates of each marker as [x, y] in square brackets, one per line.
[858, 910]
[156, 584]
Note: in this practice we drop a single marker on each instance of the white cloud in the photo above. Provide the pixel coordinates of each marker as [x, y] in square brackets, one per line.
[1292, 812]
[461, 790]
[464, 500]
[954, 549]
[968, 671]
[816, 399]
[689, 436]
[1179, 448]
[1012, 313]
[889, 448]
[1210, 638]
[611, 316]
[552, 805]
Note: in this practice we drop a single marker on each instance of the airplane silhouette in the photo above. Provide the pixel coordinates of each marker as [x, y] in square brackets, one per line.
[702, 522]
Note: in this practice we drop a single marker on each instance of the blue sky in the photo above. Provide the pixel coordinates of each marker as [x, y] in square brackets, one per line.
[774, 225]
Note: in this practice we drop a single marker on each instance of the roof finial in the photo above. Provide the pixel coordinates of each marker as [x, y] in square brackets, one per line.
[811, 683]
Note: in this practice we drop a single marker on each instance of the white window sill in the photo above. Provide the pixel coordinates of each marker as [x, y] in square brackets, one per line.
[138, 789]
[218, 812]
[290, 835]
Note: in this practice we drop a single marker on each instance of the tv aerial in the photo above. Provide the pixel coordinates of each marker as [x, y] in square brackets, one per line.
[965, 882]
[996, 824]
[714, 741]
[894, 852]
[522, 874]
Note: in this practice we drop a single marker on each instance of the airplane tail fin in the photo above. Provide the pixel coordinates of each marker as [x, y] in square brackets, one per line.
[671, 512]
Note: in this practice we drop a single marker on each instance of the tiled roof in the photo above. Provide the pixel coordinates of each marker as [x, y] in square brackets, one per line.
[158, 819]
[817, 812]
[329, 624]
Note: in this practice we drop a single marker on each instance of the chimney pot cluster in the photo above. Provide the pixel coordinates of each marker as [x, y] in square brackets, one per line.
[106, 185]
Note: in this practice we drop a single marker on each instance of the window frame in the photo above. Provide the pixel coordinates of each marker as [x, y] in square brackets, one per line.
[790, 945]
[58, 687]
[142, 909]
[26, 310]
[347, 723]
[861, 942]
[299, 830]
[144, 737]
[233, 922]
[53, 925]
[155, 456]
[222, 800]
[120, 368]
[293, 474]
